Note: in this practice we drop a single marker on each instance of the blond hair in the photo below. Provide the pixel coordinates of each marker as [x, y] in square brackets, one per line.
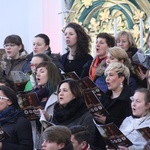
[120, 54]
[129, 37]
[121, 70]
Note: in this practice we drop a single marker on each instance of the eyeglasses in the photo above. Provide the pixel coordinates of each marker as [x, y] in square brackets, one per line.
[2, 98]
[9, 45]
[33, 65]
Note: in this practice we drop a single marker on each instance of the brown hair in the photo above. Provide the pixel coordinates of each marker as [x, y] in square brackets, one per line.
[129, 37]
[120, 54]
[74, 87]
[59, 134]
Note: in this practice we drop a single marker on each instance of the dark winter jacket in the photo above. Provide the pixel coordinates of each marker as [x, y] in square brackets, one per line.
[75, 113]
[9, 65]
[20, 133]
[119, 108]
[80, 66]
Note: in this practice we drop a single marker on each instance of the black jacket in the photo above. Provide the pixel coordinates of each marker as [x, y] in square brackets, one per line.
[118, 108]
[75, 113]
[20, 134]
[80, 66]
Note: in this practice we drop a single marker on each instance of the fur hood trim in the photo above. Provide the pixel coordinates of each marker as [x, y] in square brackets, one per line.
[101, 68]
[5, 59]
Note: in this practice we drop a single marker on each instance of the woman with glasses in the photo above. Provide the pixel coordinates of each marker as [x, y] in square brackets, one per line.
[140, 118]
[36, 59]
[47, 79]
[15, 55]
[14, 123]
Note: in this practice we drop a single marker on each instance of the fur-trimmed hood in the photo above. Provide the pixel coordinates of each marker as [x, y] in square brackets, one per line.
[101, 68]
[5, 59]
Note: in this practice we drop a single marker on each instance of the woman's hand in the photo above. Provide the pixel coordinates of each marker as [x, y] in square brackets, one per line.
[37, 112]
[140, 73]
[47, 116]
[100, 118]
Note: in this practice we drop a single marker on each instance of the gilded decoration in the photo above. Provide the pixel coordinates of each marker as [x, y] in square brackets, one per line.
[98, 16]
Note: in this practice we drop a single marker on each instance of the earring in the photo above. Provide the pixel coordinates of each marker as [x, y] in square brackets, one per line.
[121, 85]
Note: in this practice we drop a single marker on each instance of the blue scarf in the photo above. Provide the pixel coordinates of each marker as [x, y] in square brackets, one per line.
[9, 114]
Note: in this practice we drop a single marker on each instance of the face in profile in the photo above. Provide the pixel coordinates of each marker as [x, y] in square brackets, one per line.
[113, 80]
[139, 107]
[65, 95]
[39, 45]
[70, 37]
[49, 145]
[101, 47]
[123, 42]
[41, 76]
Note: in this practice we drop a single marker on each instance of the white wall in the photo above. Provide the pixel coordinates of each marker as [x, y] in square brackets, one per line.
[53, 23]
[27, 18]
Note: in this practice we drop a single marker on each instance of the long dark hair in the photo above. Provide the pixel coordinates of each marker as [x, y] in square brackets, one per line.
[83, 40]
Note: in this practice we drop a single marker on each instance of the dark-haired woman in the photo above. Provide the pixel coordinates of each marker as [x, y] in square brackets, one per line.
[41, 44]
[14, 123]
[77, 57]
[71, 108]
[47, 78]
[35, 61]
[103, 42]
[15, 56]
